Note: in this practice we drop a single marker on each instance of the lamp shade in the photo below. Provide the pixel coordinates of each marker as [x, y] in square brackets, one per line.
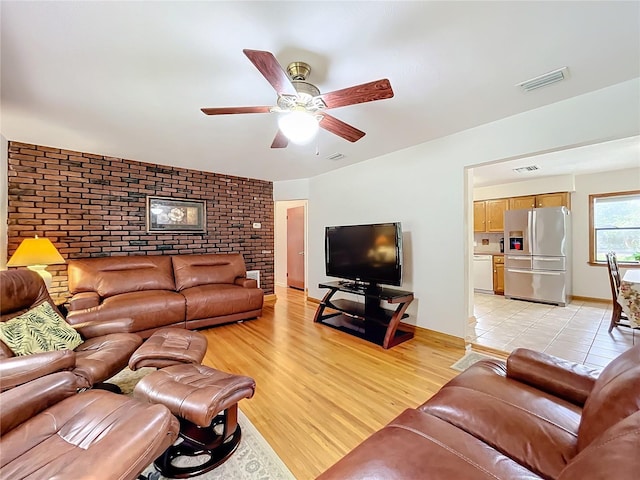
[35, 251]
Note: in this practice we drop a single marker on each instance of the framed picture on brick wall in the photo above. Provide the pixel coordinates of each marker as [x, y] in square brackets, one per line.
[165, 214]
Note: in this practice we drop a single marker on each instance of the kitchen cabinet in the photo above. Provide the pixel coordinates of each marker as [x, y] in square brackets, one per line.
[498, 274]
[488, 215]
[495, 214]
[479, 217]
[559, 199]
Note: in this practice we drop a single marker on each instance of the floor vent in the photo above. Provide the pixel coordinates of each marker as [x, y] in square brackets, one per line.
[545, 79]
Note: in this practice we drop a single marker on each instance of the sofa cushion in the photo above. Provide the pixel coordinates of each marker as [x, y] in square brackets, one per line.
[613, 397]
[101, 357]
[419, 445]
[111, 276]
[215, 300]
[194, 270]
[41, 329]
[148, 309]
[510, 417]
[20, 290]
[611, 455]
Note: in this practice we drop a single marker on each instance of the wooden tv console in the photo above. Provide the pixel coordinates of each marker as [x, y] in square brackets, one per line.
[366, 320]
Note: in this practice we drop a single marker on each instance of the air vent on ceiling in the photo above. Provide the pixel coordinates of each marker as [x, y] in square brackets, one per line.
[545, 79]
[530, 168]
[335, 156]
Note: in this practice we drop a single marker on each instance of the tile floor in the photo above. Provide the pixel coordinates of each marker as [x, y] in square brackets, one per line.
[577, 332]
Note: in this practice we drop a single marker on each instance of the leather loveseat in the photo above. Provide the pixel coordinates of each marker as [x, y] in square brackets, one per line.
[105, 349]
[48, 431]
[187, 291]
[533, 416]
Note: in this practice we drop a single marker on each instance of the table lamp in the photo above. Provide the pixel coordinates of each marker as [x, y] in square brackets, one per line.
[35, 254]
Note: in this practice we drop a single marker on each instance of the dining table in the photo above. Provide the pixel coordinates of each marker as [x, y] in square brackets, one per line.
[629, 296]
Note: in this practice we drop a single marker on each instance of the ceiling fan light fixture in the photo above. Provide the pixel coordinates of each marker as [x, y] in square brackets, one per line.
[298, 126]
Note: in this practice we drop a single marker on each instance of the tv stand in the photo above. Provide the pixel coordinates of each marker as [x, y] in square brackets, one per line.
[366, 320]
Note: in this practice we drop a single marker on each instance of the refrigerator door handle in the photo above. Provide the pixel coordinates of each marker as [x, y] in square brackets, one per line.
[534, 272]
[531, 221]
[547, 259]
[514, 257]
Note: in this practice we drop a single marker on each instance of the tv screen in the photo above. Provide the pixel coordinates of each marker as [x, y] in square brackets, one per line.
[367, 253]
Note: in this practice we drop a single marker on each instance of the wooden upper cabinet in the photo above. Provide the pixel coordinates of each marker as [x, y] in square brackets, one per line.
[479, 217]
[522, 203]
[561, 199]
[495, 214]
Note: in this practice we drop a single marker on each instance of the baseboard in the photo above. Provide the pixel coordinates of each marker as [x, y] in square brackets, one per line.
[313, 300]
[270, 300]
[438, 337]
[590, 299]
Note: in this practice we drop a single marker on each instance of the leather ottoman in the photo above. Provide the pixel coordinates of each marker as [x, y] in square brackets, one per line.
[205, 400]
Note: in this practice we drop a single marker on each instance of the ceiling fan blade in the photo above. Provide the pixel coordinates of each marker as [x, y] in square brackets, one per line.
[280, 141]
[367, 92]
[271, 70]
[232, 110]
[338, 127]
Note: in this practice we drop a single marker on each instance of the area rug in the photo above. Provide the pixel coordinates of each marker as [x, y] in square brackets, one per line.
[253, 460]
[469, 359]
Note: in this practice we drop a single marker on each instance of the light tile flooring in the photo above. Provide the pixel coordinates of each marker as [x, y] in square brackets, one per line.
[577, 332]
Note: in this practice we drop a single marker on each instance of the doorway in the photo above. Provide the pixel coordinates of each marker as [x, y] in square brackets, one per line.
[286, 253]
[295, 248]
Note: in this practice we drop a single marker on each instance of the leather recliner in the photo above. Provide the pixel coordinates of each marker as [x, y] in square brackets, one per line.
[102, 354]
[48, 431]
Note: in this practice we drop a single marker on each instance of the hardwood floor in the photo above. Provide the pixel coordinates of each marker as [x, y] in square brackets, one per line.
[320, 392]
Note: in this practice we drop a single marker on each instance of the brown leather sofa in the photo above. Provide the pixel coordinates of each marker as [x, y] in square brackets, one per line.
[187, 291]
[533, 416]
[48, 431]
[104, 352]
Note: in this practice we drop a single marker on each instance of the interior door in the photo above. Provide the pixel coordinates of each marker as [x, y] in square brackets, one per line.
[295, 247]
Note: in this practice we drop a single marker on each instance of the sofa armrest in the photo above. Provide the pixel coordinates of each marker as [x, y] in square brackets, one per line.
[83, 300]
[25, 401]
[100, 328]
[15, 371]
[568, 380]
[246, 282]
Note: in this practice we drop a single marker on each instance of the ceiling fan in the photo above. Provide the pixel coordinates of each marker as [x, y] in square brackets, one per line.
[301, 104]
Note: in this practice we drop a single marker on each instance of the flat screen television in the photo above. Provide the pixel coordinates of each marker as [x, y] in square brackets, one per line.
[370, 253]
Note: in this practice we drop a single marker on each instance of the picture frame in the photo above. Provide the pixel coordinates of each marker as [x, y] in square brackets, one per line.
[176, 215]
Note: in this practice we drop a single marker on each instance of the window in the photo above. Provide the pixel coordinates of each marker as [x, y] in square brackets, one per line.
[615, 226]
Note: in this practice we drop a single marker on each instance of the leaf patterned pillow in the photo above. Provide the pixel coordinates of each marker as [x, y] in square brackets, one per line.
[41, 329]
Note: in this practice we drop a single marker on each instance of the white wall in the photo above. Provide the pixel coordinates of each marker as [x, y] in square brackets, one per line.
[557, 183]
[4, 194]
[590, 280]
[425, 186]
[280, 234]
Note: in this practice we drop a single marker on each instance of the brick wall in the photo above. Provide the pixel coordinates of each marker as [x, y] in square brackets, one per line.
[91, 206]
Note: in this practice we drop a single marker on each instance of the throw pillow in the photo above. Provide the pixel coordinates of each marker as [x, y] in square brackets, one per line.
[41, 329]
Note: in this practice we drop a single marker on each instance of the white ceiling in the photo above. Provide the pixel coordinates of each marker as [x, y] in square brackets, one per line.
[128, 79]
[612, 155]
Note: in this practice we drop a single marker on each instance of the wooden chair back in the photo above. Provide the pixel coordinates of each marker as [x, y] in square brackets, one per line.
[614, 274]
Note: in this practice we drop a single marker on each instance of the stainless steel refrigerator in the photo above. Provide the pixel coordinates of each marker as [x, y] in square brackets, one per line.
[537, 255]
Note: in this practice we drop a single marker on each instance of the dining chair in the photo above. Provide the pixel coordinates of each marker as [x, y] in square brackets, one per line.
[617, 316]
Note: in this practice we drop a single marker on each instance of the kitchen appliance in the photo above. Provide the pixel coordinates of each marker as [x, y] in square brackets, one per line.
[483, 273]
[538, 255]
